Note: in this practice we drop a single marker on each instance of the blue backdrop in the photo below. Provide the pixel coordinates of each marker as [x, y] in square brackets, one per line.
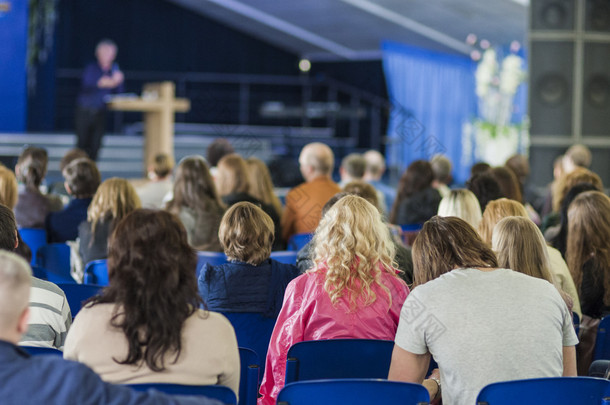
[433, 95]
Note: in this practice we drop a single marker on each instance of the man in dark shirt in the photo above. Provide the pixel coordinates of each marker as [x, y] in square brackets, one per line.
[100, 79]
[51, 379]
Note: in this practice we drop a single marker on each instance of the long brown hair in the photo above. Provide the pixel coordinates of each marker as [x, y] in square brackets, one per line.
[447, 243]
[113, 200]
[569, 180]
[495, 211]
[232, 175]
[508, 182]
[152, 284]
[193, 187]
[417, 177]
[261, 186]
[588, 236]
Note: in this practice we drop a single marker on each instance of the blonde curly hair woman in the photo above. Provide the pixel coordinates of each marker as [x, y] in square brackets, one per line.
[353, 291]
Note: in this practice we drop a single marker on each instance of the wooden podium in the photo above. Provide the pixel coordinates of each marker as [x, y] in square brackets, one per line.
[159, 105]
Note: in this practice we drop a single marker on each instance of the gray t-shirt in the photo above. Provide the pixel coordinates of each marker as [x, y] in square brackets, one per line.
[485, 327]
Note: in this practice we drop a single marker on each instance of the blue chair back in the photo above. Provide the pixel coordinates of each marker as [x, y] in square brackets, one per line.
[213, 258]
[602, 342]
[252, 331]
[219, 392]
[77, 294]
[410, 232]
[285, 256]
[55, 259]
[353, 392]
[39, 272]
[339, 358]
[248, 380]
[96, 272]
[576, 322]
[34, 238]
[37, 351]
[296, 242]
[559, 391]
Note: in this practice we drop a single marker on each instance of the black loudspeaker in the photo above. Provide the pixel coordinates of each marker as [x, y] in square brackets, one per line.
[552, 15]
[551, 87]
[596, 89]
[597, 16]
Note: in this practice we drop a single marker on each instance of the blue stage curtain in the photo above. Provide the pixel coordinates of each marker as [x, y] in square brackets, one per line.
[433, 96]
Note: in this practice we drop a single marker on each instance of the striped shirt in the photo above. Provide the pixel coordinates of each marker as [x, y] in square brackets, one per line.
[50, 316]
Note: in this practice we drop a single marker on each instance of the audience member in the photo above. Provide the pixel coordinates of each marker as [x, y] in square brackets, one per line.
[59, 188]
[160, 183]
[8, 187]
[485, 188]
[576, 156]
[251, 281]
[463, 204]
[353, 291]
[50, 316]
[511, 189]
[146, 327]
[56, 381]
[478, 168]
[375, 167]
[497, 210]
[441, 166]
[261, 186]
[552, 187]
[114, 199]
[403, 259]
[521, 168]
[304, 203]
[352, 168]
[520, 246]
[416, 200]
[197, 204]
[472, 314]
[82, 179]
[32, 205]
[233, 186]
[218, 149]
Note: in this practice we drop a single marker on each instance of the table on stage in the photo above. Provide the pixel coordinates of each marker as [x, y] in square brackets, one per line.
[159, 105]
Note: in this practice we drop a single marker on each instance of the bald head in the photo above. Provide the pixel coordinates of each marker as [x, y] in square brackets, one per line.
[375, 165]
[316, 160]
[15, 280]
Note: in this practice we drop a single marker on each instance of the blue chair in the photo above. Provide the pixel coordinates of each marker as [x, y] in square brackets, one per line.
[576, 322]
[285, 256]
[96, 272]
[248, 380]
[559, 390]
[213, 258]
[39, 272]
[34, 238]
[410, 232]
[37, 351]
[55, 259]
[219, 392]
[339, 358]
[296, 242]
[76, 294]
[353, 392]
[602, 342]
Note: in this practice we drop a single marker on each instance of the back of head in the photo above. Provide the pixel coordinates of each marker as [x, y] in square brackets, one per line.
[162, 165]
[15, 280]
[495, 211]
[82, 177]
[463, 204]
[354, 246]
[354, 165]
[246, 233]
[569, 180]
[375, 164]
[588, 236]
[8, 227]
[32, 166]
[113, 200]
[9, 191]
[261, 186]
[362, 189]
[416, 178]
[508, 182]
[485, 188]
[441, 166]
[219, 148]
[577, 156]
[447, 243]
[152, 277]
[478, 168]
[319, 157]
[520, 246]
[520, 166]
[193, 186]
[232, 175]
[71, 155]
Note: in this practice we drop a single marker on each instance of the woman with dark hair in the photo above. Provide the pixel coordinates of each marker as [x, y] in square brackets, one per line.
[472, 316]
[416, 199]
[197, 203]
[145, 327]
[485, 187]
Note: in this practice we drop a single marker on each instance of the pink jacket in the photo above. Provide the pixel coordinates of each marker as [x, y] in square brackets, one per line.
[308, 314]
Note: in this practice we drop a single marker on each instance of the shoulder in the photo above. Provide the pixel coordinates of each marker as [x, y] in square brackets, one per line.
[47, 286]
